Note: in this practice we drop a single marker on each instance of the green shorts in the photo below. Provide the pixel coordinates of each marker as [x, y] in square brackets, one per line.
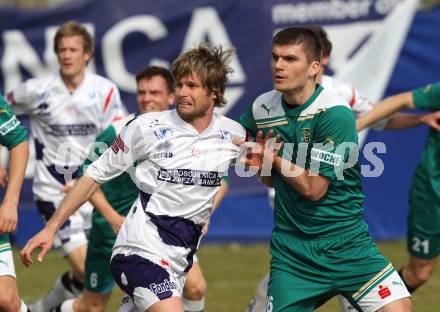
[306, 273]
[98, 277]
[423, 237]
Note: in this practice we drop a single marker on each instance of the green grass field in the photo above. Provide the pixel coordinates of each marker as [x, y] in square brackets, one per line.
[232, 271]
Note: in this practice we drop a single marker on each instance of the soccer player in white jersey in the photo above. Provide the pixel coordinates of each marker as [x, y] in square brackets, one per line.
[155, 93]
[360, 105]
[67, 111]
[161, 233]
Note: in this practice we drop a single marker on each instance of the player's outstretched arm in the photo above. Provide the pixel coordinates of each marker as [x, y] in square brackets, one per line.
[77, 196]
[385, 108]
[19, 155]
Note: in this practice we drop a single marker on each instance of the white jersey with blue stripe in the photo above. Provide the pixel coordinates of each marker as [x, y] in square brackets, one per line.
[64, 124]
[178, 171]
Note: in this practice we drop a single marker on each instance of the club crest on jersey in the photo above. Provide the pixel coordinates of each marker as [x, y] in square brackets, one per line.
[163, 133]
[42, 96]
[118, 145]
[305, 135]
[92, 95]
[226, 136]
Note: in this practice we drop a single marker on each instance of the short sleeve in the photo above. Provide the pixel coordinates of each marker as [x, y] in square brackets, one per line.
[22, 98]
[335, 142]
[12, 132]
[427, 97]
[247, 120]
[130, 146]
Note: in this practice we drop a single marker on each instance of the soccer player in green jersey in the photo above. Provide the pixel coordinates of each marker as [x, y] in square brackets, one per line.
[320, 245]
[423, 237]
[155, 92]
[14, 137]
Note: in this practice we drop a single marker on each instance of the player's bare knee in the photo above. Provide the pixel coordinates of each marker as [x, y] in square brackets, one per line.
[86, 304]
[79, 272]
[96, 306]
[195, 291]
[422, 276]
[9, 301]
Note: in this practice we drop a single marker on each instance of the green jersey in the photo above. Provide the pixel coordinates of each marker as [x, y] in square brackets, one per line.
[121, 192]
[319, 135]
[12, 133]
[428, 169]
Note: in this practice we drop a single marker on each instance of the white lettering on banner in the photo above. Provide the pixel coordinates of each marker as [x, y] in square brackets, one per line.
[18, 52]
[385, 6]
[319, 11]
[112, 52]
[206, 24]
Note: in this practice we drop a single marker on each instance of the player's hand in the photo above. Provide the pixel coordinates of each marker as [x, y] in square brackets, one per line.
[3, 177]
[117, 222]
[68, 186]
[263, 151]
[8, 217]
[432, 120]
[43, 240]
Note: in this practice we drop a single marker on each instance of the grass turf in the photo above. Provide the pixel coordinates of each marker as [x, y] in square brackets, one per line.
[233, 271]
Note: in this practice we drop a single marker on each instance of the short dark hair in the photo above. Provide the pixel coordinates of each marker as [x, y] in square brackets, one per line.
[326, 45]
[152, 71]
[72, 28]
[211, 64]
[300, 35]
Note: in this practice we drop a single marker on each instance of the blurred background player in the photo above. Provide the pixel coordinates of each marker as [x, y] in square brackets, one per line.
[423, 237]
[360, 105]
[67, 111]
[14, 137]
[155, 93]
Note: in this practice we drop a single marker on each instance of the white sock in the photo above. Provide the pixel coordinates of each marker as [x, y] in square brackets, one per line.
[258, 302]
[23, 307]
[66, 306]
[127, 305]
[193, 305]
[346, 305]
[58, 293]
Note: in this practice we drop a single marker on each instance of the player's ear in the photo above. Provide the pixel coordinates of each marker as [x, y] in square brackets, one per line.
[171, 98]
[314, 68]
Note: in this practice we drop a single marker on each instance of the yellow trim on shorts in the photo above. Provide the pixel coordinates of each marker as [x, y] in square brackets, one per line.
[374, 279]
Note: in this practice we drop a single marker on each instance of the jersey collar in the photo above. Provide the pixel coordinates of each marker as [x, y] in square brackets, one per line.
[297, 110]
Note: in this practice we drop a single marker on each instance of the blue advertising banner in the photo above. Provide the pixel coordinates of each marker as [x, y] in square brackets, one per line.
[132, 34]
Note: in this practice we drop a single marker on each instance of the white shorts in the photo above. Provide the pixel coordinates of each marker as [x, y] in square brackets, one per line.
[7, 267]
[146, 279]
[372, 297]
[73, 233]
